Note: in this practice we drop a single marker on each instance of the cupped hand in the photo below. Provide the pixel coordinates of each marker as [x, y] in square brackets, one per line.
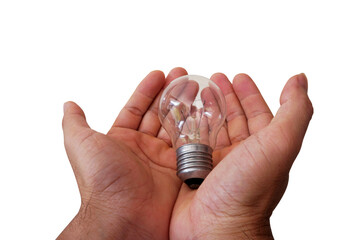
[127, 178]
[253, 157]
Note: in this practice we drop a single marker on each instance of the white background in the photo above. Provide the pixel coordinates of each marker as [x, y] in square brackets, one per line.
[96, 52]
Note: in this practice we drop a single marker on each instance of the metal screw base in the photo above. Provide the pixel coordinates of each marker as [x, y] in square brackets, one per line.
[194, 163]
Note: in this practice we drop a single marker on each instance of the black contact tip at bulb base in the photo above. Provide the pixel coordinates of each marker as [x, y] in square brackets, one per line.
[194, 183]
[194, 163]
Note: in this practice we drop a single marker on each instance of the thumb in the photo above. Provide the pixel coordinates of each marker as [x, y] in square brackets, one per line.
[75, 128]
[290, 123]
[74, 117]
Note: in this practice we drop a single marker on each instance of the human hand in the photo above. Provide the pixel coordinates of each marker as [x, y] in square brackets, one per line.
[127, 184]
[252, 161]
[126, 179]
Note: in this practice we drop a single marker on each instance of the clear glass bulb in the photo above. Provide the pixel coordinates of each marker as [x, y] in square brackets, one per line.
[192, 111]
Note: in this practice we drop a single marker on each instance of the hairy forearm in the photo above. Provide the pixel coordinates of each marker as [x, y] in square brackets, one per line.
[89, 228]
[246, 231]
[88, 225]
[83, 229]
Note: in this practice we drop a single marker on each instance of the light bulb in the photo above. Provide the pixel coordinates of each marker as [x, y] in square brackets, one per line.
[192, 111]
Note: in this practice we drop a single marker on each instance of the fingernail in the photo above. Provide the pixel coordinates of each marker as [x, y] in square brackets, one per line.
[302, 80]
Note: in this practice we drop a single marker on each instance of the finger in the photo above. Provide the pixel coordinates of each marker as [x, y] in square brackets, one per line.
[175, 110]
[204, 130]
[292, 119]
[235, 117]
[267, 155]
[256, 110]
[75, 129]
[222, 138]
[174, 74]
[150, 123]
[218, 136]
[132, 113]
[74, 118]
[282, 139]
[163, 135]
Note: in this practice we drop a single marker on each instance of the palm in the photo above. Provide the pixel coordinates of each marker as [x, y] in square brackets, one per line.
[129, 165]
[150, 188]
[253, 157]
[124, 166]
[217, 200]
[148, 163]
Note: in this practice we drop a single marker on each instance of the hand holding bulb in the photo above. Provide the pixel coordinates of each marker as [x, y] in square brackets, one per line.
[127, 178]
[252, 160]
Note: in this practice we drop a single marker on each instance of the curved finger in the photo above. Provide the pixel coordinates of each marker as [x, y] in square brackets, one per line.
[132, 113]
[222, 138]
[74, 124]
[218, 136]
[150, 123]
[268, 154]
[75, 129]
[281, 140]
[163, 135]
[290, 123]
[256, 110]
[235, 116]
[176, 109]
[174, 74]
[74, 118]
[178, 112]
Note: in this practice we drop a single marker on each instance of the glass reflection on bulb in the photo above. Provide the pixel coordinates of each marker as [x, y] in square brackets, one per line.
[192, 111]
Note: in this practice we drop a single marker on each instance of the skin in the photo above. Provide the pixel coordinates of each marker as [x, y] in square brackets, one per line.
[127, 178]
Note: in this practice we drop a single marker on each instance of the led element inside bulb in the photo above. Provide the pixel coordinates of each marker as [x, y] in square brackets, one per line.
[192, 111]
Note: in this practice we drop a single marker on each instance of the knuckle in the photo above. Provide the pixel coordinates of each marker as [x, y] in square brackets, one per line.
[238, 138]
[134, 110]
[284, 142]
[234, 114]
[307, 105]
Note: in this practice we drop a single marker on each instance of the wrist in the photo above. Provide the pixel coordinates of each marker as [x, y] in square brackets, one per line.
[87, 225]
[258, 230]
[91, 223]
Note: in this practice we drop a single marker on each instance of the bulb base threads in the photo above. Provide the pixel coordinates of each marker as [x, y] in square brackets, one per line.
[194, 163]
